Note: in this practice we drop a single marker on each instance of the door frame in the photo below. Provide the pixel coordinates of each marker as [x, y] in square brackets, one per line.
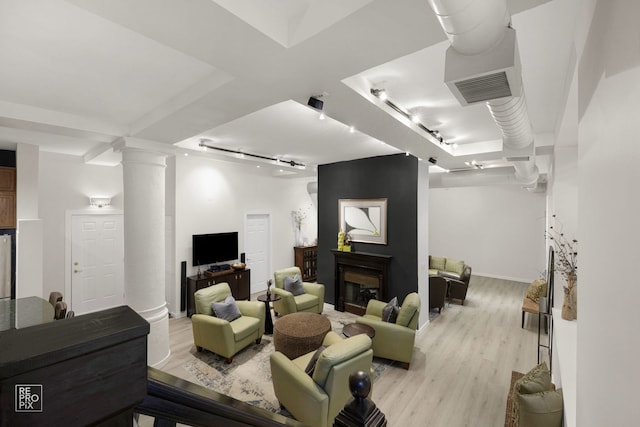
[269, 215]
[68, 226]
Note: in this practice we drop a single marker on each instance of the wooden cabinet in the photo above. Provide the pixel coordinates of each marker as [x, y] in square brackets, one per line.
[7, 210]
[306, 259]
[98, 361]
[7, 197]
[239, 282]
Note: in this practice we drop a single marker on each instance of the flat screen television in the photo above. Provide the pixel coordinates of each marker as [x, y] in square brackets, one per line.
[216, 247]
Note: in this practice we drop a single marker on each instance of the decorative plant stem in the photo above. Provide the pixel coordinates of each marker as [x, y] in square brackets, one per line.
[566, 252]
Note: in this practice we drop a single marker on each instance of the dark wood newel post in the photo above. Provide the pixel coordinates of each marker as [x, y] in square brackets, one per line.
[360, 411]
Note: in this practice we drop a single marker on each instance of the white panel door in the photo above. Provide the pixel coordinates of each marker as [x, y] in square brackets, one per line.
[257, 244]
[97, 262]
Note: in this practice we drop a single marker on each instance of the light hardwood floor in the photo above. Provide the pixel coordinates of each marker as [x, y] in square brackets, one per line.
[461, 365]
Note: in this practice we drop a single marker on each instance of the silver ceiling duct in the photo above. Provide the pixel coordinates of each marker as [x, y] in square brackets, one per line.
[483, 65]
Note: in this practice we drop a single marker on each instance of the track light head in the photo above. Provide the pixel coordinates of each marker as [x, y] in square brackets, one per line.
[380, 93]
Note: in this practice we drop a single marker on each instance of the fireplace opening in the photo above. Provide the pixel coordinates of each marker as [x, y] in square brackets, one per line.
[361, 285]
[359, 278]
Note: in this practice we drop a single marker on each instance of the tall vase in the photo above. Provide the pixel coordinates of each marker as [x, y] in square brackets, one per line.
[299, 241]
[573, 293]
[570, 303]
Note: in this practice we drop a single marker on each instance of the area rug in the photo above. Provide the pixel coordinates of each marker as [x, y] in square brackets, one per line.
[508, 418]
[248, 377]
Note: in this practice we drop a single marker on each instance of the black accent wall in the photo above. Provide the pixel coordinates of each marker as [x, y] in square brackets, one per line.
[392, 177]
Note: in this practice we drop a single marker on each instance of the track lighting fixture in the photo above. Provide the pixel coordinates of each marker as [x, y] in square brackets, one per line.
[474, 164]
[381, 94]
[206, 143]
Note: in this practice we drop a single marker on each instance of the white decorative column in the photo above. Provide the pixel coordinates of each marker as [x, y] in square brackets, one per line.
[144, 242]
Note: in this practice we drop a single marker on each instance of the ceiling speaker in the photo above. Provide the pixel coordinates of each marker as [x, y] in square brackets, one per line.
[315, 103]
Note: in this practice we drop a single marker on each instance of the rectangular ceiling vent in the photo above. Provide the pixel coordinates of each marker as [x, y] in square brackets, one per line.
[484, 88]
[489, 75]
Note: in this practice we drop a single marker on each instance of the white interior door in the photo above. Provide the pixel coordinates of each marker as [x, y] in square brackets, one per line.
[257, 244]
[97, 262]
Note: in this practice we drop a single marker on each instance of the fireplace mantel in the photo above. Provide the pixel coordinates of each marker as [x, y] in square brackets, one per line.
[368, 266]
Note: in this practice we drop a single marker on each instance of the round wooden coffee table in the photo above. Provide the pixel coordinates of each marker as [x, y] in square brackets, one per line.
[358, 328]
[299, 333]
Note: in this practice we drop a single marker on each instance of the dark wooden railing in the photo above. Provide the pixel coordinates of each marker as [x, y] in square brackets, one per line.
[171, 399]
[92, 370]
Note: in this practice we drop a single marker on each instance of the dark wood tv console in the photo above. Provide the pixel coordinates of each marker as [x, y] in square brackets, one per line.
[239, 281]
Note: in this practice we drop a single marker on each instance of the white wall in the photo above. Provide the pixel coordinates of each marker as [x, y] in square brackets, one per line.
[210, 196]
[563, 203]
[609, 153]
[214, 196]
[27, 160]
[29, 237]
[423, 241]
[65, 185]
[498, 231]
[29, 271]
[172, 267]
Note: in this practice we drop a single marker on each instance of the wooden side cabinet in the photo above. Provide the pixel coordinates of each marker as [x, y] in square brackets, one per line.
[239, 282]
[7, 197]
[306, 259]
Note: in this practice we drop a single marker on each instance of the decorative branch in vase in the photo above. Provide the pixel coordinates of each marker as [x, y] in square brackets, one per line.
[566, 255]
[298, 219]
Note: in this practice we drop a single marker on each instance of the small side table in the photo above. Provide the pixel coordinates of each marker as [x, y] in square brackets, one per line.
[268, 320]
[358, 328]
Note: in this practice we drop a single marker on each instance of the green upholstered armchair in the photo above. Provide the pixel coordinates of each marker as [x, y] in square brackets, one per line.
[312, 300]
[316, 400]
[394, 340]
[220, 336]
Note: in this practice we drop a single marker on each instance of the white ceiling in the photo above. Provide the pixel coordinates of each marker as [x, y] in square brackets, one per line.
[78, 74]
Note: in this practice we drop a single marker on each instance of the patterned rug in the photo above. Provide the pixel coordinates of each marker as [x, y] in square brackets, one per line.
[248, 377]
[508, 417]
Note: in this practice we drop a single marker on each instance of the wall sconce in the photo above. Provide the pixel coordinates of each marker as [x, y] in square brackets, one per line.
[100, 201]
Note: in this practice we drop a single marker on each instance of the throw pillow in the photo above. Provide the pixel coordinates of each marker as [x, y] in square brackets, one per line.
[311, 366]
[227, 310]
[437, 263]
[537, 289]
[294, 285]
[454, 266]
[390, 311]
[543, 409]
[536, 380]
